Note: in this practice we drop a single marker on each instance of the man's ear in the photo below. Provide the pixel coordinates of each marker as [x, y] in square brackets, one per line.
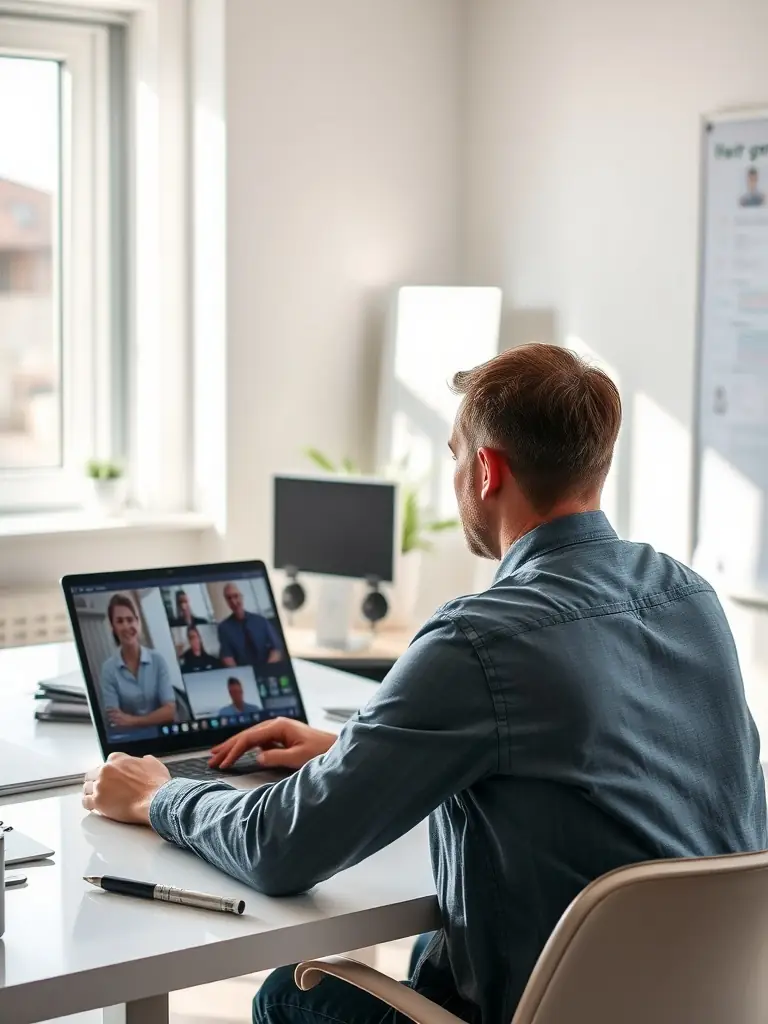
[492, 468]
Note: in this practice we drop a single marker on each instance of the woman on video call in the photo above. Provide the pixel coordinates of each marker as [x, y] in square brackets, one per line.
[135, 682]
[196, 658]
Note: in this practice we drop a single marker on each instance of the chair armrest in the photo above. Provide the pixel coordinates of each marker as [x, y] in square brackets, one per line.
[399, 997]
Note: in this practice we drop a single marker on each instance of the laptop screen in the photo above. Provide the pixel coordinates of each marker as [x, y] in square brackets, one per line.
[181, 658]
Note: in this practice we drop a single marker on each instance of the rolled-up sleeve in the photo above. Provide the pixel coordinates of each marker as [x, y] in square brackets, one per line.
[428, 733]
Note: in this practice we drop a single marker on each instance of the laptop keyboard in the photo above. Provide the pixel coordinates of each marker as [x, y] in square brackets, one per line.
[198, 768]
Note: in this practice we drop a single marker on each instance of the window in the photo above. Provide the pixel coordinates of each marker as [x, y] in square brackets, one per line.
[60, 122]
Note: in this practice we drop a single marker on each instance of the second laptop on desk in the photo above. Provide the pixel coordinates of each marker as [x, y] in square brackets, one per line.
[177, 660]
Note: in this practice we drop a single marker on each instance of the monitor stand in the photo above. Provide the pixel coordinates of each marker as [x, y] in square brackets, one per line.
[334, 611]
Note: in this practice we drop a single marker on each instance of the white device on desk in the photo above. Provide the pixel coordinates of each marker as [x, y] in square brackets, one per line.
[177, 660]
[20, 849]
[342, 529]
[340, 714]
[23, 772]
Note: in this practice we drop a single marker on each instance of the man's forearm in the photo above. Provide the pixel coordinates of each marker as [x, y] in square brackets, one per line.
[217, 823]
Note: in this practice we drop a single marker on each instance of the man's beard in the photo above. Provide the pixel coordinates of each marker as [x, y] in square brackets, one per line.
[476, 531]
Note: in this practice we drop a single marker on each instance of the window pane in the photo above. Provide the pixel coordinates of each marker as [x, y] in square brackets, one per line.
[30, 321]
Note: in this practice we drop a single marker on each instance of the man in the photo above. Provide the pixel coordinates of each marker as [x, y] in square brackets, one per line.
[245, 637]
[238, 704]
[585, 712]
[753, 196]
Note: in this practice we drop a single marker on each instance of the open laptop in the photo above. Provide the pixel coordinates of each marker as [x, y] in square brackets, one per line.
[177, 660]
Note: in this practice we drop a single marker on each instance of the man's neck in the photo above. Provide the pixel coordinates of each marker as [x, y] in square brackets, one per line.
[512, 532]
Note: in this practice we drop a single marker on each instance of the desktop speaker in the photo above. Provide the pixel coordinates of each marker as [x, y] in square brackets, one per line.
[375, 605]
[294, 595]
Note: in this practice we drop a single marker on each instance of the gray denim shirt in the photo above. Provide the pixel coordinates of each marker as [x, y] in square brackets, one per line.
[585, 712]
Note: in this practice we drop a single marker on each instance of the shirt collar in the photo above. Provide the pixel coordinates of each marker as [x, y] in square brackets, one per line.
[144, 658]
[559, 533]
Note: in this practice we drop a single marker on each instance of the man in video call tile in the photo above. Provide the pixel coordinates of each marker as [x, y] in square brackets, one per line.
[245, 637]
[238, 705]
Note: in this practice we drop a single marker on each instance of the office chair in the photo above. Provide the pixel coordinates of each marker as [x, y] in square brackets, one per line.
[664, 942]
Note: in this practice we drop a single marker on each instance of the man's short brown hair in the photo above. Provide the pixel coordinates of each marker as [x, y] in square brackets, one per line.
[555, 418]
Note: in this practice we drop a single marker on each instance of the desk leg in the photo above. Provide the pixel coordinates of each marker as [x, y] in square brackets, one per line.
[141, 1011]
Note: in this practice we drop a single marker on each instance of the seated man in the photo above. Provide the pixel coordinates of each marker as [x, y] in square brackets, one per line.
[245, 637]
[238, 705]
[585, 712]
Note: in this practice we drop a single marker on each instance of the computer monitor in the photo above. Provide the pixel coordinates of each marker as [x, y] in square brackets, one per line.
[342, 529]
[335, 526]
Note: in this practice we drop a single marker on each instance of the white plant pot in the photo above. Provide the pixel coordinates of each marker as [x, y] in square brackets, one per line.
[405, 593]
[107, 497]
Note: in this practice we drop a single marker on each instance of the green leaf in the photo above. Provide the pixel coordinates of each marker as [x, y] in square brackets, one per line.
[441, 525]
[321, 460]
[103, 469]
[411, 521]
[349, 466]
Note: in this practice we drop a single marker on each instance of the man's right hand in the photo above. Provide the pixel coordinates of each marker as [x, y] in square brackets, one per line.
[284, 743]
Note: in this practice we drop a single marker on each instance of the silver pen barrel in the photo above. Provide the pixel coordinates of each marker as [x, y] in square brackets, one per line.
[202, 900]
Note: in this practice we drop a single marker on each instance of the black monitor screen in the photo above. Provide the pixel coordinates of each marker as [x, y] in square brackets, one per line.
[335, 527]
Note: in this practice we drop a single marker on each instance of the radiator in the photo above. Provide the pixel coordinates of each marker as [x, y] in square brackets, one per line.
[33, 617]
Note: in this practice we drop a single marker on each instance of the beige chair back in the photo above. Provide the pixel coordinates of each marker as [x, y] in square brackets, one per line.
[666, 942]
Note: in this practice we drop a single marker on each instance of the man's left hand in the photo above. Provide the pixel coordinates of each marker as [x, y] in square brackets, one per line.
[123, 788]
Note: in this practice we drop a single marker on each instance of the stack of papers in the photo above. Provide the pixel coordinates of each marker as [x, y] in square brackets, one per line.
[62, 699]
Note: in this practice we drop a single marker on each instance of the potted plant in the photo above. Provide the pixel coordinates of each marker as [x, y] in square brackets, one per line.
[107, 491]
[417, 529]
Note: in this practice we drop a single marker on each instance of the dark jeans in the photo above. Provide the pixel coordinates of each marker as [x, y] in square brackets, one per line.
[279, 1001]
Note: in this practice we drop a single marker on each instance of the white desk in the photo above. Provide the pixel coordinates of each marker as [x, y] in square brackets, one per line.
[69, 948]
[75, 747]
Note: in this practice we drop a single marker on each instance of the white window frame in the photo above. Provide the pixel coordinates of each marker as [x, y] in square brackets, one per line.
[87, 347]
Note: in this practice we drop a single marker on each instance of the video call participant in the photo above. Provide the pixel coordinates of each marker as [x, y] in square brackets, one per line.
[238, 705]
[196, 658]
[184, 616]
[245, 637]
[135, 682]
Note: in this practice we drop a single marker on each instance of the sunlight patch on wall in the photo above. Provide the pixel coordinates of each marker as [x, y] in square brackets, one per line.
[660, 487]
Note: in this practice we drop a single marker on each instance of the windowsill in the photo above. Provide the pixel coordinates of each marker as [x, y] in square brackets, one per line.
[53, 524]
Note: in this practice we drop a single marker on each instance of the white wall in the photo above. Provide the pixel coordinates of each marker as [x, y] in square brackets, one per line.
[343, 134]
[582, 199]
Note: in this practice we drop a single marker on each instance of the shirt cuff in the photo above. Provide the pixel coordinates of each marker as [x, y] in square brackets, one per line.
[166, 804]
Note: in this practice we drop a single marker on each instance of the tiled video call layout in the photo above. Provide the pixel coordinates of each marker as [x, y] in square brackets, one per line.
[217, 642]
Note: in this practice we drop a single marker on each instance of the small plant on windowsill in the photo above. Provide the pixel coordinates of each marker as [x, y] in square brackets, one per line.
[107, 491]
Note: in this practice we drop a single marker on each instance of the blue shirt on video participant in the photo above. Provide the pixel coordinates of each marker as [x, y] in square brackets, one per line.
[245, 637]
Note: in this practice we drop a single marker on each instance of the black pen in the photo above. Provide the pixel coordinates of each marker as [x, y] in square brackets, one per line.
[167, 894]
